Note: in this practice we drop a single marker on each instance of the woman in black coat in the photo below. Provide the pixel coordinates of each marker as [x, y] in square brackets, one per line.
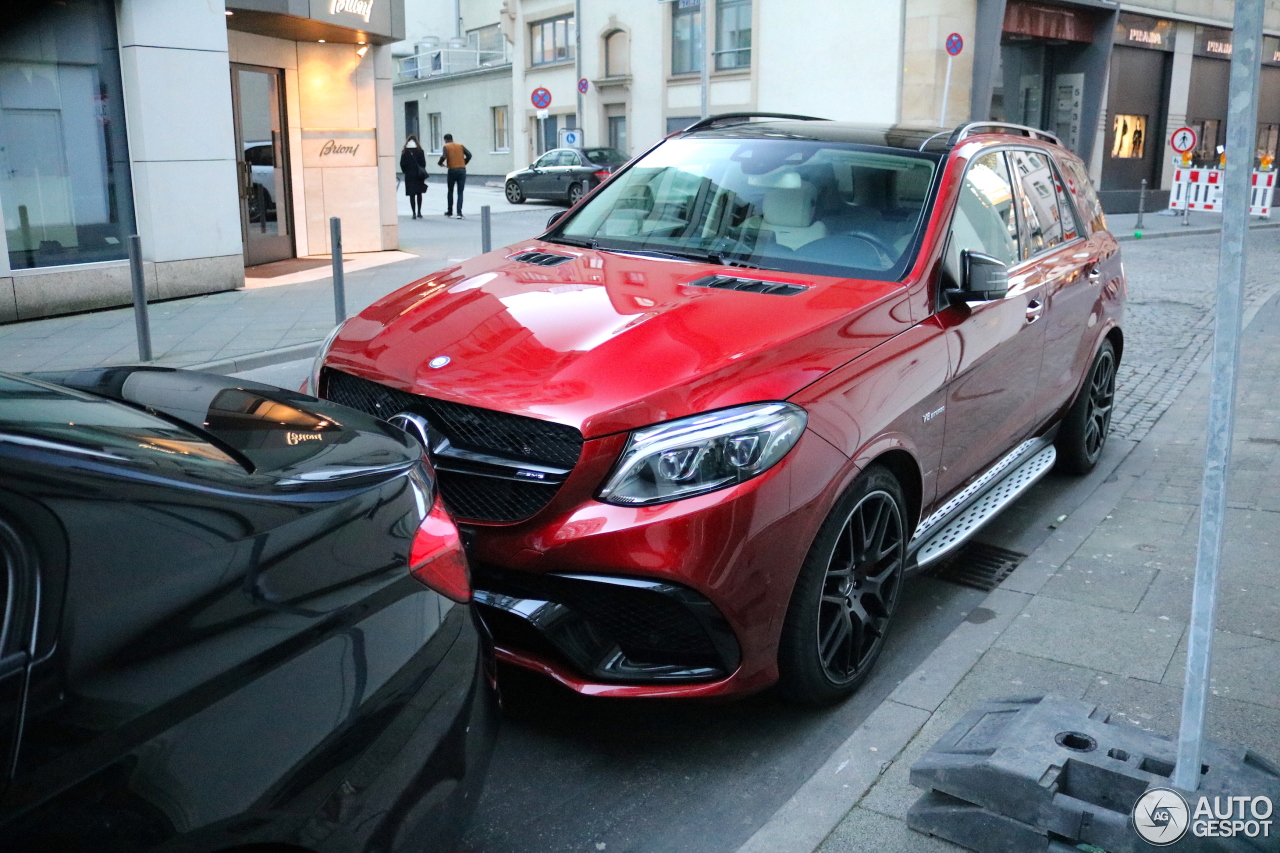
[413, 164]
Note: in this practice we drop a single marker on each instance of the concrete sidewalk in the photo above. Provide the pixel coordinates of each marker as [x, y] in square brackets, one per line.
[1098, 613]
[1162, 223]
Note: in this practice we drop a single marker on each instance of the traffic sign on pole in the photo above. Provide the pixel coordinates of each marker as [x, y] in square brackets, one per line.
[583, 85]
[955, 44]
[541, 97]
[1183, 140]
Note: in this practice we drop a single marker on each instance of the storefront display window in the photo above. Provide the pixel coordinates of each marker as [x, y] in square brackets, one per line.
[1130, 137]
[65, 192]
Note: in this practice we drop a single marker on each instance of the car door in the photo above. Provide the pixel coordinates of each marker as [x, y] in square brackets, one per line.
[995, 346]
[16, 577]
[541, 179]
[1073, 290]
[574, 169]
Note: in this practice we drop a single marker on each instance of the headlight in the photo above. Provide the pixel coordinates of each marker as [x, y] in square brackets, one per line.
[693, 456]
[314, 387]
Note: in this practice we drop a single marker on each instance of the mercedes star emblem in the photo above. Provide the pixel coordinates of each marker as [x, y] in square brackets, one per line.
[415, 425]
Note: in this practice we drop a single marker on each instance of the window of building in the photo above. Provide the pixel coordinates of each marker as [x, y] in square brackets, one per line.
[411, 126]
[675, 123]
[686, 24]
[65, 193]
[618, 133]
[437, 135]
[551, 40]
[501, 142]
[1130, 132]
[733, 34]
[617, 54]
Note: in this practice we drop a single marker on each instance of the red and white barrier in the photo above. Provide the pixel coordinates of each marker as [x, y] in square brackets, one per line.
[1201, 189]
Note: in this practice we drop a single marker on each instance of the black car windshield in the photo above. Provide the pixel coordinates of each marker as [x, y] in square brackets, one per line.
[605, 156]
[801, 205]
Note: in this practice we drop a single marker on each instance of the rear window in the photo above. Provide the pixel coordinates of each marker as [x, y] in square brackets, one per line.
[801, 205]
[605, 156]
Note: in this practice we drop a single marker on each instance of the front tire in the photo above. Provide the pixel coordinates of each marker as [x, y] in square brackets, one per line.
[1088, 422]
[846, 593]
[514, 193]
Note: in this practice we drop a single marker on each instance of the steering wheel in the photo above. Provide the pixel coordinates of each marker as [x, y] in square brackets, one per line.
[886, 252]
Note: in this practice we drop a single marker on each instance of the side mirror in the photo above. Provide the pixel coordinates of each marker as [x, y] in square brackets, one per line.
[555, 217]
[983, 278]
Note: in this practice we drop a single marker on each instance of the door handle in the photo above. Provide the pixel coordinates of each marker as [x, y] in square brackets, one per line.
[1034, 309]
[1095, 274]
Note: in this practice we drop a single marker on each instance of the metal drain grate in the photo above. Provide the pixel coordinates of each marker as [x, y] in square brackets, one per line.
[978, 565]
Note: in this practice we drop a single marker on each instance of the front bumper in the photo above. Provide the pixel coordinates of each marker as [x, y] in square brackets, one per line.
[680, 599]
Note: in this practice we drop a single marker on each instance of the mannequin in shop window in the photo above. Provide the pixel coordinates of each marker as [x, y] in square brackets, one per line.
[413, 164]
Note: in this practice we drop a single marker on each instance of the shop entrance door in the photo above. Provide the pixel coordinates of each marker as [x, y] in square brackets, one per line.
[262, 164]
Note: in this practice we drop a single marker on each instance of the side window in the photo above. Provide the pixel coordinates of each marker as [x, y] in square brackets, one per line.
[1066, 208]
[1086, 199]
[1042, 222]
[547, 160]
[984, 220]
[570, 158]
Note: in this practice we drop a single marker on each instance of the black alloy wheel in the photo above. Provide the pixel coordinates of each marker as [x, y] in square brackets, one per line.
[1088, 422]
[576, 192]
[515, 194]
[846, 594]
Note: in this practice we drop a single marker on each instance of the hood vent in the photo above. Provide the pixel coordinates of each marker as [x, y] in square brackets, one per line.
[751, 285]
[541, 259]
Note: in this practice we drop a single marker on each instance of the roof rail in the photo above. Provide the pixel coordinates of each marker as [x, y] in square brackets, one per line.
[931, 138]
[711, 121]
[974, 127]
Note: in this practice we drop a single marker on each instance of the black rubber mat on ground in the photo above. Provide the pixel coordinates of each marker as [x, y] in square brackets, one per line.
[978, 565]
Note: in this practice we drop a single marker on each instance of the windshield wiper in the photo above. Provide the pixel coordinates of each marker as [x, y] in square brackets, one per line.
[573, 241]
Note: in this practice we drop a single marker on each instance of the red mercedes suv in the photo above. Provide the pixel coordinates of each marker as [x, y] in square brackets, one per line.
[698, 431]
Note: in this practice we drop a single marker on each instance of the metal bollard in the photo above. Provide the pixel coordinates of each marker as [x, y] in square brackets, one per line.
[339, 284]
[486, 230]
[140, 318]
[1142, 205]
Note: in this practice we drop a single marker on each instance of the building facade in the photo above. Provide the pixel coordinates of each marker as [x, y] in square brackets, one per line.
[453, 75]
[223, 136]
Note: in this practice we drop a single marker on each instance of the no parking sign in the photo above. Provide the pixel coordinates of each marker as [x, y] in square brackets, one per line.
[541, 97]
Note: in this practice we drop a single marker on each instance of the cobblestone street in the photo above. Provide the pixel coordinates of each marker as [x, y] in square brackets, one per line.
[1169, 318]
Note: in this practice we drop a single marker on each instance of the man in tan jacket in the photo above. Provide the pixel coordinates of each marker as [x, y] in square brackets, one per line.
[455, 158]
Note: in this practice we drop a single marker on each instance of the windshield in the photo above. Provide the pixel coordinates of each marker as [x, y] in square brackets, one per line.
[800, 205]
[605, 156]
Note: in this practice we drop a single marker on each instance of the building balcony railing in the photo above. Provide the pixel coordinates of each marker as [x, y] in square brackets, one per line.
[442, 61]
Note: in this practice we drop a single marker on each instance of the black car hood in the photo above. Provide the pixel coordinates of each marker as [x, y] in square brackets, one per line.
[271, 431]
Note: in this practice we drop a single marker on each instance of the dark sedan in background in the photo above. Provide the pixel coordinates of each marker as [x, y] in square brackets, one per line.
[564, 174]
[232, 615]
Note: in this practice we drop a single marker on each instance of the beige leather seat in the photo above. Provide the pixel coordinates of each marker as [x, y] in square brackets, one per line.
[789, 212]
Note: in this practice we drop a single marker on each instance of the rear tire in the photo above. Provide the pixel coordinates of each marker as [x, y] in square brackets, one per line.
[576, 192]
[514, 193]
[846, 593]
[1088, 422]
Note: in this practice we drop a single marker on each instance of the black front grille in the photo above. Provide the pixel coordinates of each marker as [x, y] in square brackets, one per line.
[512, 437]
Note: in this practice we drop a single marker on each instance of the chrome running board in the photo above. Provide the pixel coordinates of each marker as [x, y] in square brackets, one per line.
[999, 486]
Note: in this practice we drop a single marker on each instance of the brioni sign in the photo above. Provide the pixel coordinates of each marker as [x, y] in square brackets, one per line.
[360, 8]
